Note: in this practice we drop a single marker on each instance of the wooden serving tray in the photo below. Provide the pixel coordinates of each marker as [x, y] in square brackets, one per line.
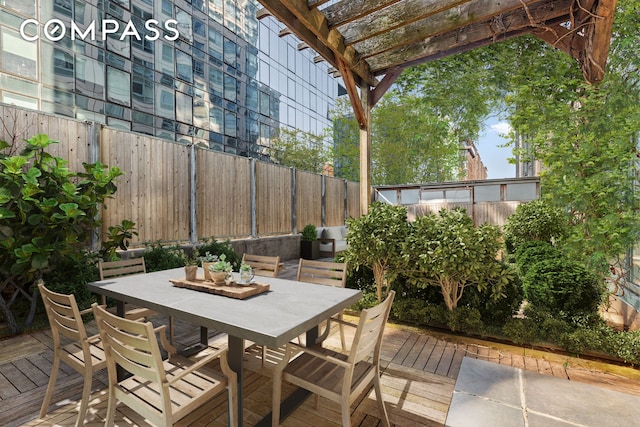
[231, 290]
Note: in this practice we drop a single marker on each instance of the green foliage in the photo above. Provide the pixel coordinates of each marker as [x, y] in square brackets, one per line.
[375, 241]
[529, 253]
[589, 147]
[496, 305]
[301, 150]
[219, 248]
[118, 237]
[71, 275]
[46, 211]
[534, 221]
[309, 233]
[221, 264]
[563, 287]
[521, 331]
[158, 257]
[446, 250]
[409, 142]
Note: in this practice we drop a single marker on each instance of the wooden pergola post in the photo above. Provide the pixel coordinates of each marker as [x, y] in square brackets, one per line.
[366, 196]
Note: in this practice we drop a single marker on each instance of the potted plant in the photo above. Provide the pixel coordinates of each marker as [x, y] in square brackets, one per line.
[207, 260]
[220, 270]
[191, 269]
[309, 245]
[246, 273]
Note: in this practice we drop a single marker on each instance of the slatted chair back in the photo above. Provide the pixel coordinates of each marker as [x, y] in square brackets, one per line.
[368, 336]
[83, 353]
[126, 267]
[325, 273]
[268, 266]
[162, 391]
[322, 272]
[122, 267]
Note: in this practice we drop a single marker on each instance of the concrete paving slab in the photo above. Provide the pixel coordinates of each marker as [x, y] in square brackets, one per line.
[467, 410]
[481, 398]
[580, 403]
[489, 380]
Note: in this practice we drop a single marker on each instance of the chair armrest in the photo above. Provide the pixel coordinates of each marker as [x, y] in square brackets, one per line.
[218, 354]
[90, 309]
[315, 353]
[162, 333]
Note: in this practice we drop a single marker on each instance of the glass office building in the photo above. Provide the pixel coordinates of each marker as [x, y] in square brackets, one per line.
[195, 71]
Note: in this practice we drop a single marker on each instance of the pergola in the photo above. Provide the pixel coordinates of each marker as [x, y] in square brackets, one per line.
[370, 42]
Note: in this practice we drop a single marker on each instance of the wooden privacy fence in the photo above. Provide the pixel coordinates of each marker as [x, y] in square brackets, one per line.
[183, 193]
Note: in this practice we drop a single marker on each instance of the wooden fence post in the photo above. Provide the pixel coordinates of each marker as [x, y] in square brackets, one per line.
[323, 203]
[94, 153]
[193, 205]
[254, 206]
[294, 203]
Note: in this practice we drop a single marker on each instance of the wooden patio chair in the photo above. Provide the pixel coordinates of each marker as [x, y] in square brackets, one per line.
[126, 267]
[84, 353]
[325, 273]
[267, 266]
[339, 377]
[162, 391]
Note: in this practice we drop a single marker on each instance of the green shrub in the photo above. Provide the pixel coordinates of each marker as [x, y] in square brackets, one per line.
[563, 287]
[496, 304]
[45, 210]
[531, 252]
[465, 319]
[309, 233]
[71, 275]
[521, 331]
[158, 257]
[534, 221]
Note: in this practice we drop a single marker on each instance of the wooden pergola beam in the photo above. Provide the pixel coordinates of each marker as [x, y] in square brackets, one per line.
[352, 91]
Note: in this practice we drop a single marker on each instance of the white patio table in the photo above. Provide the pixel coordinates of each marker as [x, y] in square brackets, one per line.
[273, 318]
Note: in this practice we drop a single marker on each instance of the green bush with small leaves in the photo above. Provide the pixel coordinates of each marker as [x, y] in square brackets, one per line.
[158, 257]
[534, 221]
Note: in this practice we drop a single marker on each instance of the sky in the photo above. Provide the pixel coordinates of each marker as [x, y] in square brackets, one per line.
[494, 157]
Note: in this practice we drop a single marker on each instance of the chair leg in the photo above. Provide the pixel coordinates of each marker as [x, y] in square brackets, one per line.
[346, 412]
[52, 384]
[383, 410]
[111, 408]
[86, 395]
[343, 342]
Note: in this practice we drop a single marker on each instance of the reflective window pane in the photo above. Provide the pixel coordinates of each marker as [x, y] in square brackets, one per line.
[118, 86]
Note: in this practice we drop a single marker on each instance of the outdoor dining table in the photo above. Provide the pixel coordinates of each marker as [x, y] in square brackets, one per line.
[288, 309]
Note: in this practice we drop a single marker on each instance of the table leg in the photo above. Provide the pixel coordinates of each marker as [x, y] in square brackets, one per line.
[235, 357]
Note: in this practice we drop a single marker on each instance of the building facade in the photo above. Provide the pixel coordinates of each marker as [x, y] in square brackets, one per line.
[206, 72]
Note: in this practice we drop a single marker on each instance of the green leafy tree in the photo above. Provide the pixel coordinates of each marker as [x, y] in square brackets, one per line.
[534, 221]
[300, 150]
[375, 241]
[446, 250]
[47, 213]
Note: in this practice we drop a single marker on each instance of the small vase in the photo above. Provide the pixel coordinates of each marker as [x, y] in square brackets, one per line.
[207, 272]
[191, 272]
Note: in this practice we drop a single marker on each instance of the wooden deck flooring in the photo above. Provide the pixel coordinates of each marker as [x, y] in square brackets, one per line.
[419, 372]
